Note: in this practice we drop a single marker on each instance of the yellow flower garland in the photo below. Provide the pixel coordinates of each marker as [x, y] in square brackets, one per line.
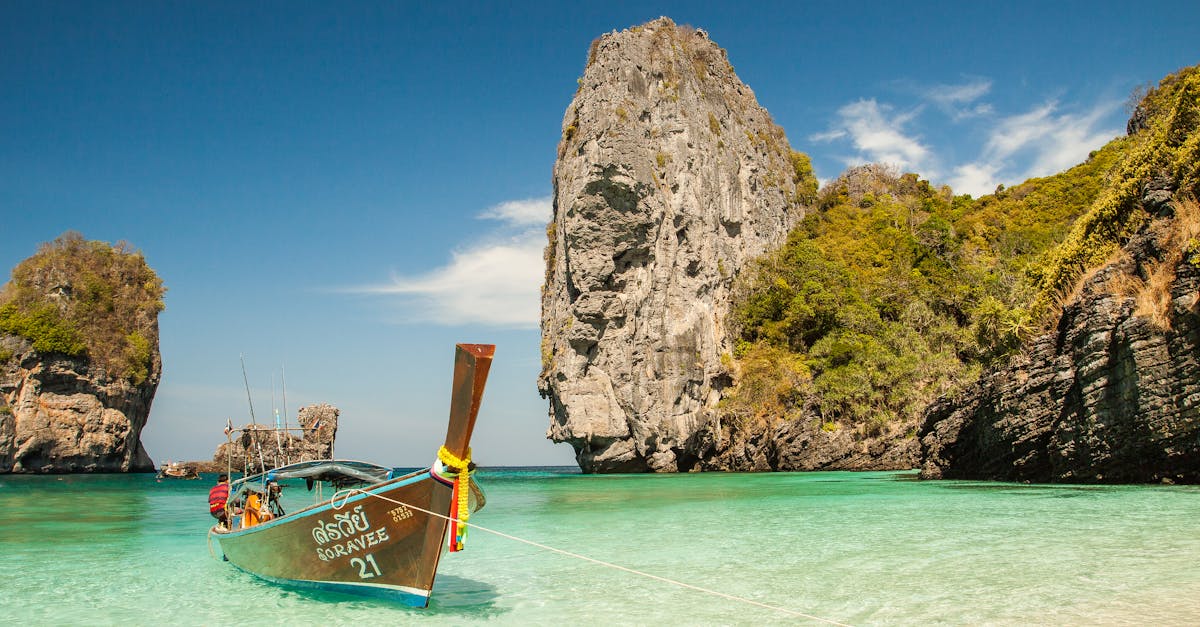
[462, 490]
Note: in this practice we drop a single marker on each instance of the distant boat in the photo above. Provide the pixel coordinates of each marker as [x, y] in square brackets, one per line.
[373, 536]
[178, 470]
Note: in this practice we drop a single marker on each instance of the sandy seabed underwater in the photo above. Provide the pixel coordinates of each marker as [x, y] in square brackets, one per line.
[875, 548]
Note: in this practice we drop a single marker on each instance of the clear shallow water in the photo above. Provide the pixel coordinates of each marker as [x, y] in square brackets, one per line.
[857, 548]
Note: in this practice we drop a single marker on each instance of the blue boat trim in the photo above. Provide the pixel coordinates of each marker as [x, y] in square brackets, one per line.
[413, 597]
[383, 487]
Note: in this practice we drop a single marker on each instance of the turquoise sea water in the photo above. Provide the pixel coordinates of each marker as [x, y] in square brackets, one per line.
[856, 548]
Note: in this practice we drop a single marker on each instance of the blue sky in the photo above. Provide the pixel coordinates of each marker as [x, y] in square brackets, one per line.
[341, 191]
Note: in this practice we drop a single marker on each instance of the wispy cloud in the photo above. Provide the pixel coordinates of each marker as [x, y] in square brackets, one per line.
[960, 94]
[1071, 138]
[1016, 132]
[528, 212]
[1039, 142]
[828, 136]
[959, 101]
[494, 284]
[1042, 140]
[878, 134]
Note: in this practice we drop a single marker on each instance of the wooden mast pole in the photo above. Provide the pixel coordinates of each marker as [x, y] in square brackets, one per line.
[471, 365]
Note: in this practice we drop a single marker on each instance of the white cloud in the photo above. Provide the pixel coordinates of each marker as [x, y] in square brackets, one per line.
[975, 179]
[1039, 142]
[1071, 139]
[827, 136]
[1016, 132]
[958, 101]
[879, 136]
[529, 212]
[953, 95]
[493, 284]
[978, 110]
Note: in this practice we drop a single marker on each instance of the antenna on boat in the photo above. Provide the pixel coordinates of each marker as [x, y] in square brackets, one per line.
[275, 411]
[283, 373]
[262, 465]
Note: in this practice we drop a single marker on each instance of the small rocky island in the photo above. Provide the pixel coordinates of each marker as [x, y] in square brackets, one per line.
[257, 447]
[79, 359]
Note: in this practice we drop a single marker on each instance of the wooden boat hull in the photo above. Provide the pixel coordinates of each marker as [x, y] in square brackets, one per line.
[369, 545]
[376, 542]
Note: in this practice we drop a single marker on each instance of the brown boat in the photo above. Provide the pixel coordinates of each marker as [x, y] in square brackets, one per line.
[377, 535]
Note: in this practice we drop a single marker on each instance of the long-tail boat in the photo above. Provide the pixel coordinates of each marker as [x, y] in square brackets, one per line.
[178, 470]
[378, 534]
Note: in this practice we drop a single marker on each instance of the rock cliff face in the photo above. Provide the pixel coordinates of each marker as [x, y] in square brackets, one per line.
[258, 448]
[669, 178]
[62, 414]
[1111, 395]
[79, 359]
[801, 445]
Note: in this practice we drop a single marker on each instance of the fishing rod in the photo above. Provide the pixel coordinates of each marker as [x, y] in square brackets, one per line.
[275, 412]
[262, 464]
[283, 371]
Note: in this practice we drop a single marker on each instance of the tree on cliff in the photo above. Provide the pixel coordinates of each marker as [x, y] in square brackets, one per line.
[87, 299]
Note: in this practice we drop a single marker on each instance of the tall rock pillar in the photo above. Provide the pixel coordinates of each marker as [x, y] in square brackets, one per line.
[670, 178]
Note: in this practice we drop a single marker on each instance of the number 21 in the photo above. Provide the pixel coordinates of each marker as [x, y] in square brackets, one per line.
[362, 566]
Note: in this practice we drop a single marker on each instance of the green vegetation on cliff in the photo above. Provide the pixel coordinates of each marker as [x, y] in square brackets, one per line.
[1164, 149]
[87, 298]
[892, 292]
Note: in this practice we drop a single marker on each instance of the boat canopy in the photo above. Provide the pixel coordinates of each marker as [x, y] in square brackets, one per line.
[339, 472]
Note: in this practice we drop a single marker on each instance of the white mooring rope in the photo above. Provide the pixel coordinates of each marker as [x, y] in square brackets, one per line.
[351, 491]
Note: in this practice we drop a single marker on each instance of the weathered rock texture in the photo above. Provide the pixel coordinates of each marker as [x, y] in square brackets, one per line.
[63, 414]
[259, 447]
[802, 445]
[670, 177]
[1112, 395]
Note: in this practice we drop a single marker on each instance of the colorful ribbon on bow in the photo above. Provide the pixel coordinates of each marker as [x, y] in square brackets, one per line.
[460, 508]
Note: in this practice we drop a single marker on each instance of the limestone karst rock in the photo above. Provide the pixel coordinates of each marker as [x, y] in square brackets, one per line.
[64, 415]
[259, 447]
[670, 177]
[79, 359]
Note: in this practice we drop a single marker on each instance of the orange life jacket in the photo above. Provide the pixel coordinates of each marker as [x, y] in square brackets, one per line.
[252, 515]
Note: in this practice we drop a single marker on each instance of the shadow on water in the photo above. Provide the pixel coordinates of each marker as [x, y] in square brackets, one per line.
[72, 510]
[462, 597]
[452, 596]
[1061, 490]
